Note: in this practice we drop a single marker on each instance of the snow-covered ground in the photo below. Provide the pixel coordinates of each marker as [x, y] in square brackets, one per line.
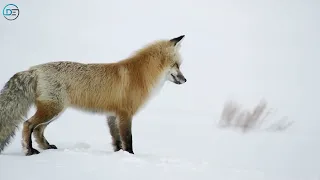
[168, 145]
[242, 50]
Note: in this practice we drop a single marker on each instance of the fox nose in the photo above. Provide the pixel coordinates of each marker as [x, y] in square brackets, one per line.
[182, 78]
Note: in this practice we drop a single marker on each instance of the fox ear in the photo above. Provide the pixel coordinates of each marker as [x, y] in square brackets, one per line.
[177, 40]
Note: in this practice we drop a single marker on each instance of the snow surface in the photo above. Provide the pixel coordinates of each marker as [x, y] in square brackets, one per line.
[241, 50]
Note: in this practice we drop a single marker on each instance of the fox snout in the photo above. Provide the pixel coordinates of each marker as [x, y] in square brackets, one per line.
[179, 78]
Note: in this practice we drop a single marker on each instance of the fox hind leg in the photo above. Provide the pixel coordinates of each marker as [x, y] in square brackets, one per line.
[46, 110]
[38, 133]
[114, 131]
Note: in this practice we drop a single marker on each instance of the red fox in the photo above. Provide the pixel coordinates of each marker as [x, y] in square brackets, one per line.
[117, 90]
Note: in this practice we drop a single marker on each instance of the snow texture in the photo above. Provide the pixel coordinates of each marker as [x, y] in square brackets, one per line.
[240, 51]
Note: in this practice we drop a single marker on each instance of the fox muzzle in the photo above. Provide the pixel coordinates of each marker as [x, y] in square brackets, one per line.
[179, 79]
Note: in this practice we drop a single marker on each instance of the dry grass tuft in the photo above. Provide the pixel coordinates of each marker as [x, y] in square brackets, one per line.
[233, 116]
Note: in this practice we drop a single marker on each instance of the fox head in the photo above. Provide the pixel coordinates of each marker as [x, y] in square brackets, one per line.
[162, 58]
[173, 63]
[165, 56]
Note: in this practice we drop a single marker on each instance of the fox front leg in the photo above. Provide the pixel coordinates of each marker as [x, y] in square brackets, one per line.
[124, 125]
[114, 131]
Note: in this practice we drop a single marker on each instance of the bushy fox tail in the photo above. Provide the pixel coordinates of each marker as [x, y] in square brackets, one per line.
[16, 98]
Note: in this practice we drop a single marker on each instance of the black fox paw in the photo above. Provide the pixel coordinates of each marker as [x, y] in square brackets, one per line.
[117, 146]
[32, 151]
[129, 150]
[51, 146]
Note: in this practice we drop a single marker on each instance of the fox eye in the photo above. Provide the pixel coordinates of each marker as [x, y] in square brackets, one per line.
[175, 65]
